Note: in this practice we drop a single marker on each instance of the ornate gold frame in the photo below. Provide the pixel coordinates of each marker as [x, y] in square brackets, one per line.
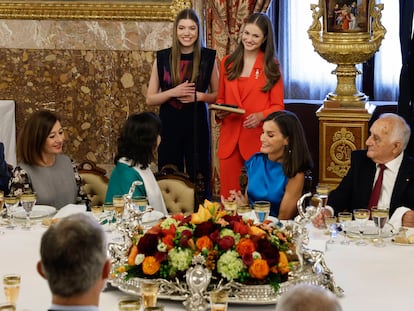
[91, 10]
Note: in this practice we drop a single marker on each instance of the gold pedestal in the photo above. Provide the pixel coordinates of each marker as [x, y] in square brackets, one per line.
[341, 131]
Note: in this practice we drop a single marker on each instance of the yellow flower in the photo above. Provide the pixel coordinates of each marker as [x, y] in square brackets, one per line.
[201, 216]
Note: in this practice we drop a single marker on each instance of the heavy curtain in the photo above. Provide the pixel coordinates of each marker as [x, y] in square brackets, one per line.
[224, 21]
[406, 98]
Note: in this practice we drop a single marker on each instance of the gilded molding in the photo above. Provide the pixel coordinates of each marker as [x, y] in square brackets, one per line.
[92, 10]
[340, 152]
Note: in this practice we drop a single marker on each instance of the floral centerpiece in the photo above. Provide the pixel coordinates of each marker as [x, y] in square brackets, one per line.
[234, 249]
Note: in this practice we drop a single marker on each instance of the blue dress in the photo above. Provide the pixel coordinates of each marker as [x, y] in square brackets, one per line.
[267, 181]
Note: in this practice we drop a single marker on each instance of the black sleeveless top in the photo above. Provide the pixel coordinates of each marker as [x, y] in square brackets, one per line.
[204, 76]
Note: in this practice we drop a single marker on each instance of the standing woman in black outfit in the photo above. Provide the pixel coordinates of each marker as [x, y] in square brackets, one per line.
[184, 78]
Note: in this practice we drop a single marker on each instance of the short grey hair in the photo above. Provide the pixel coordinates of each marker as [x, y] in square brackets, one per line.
[307, 297]
[400, 129]
[73, 253]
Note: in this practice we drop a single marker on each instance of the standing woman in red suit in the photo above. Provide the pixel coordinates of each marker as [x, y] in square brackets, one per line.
[250, 78]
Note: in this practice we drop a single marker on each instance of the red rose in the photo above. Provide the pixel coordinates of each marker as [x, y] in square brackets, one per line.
[147, 244]
[226, 242]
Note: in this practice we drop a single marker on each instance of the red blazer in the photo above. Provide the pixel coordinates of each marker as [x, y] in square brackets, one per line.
[254, 100]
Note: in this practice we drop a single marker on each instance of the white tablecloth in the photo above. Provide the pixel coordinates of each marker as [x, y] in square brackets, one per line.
[8, 130]
[379, 279]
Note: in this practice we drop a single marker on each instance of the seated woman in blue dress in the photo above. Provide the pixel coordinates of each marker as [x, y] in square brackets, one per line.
[137, 144]
[277, 172]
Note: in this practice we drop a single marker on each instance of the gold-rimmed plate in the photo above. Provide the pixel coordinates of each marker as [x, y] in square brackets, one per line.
[370, 231]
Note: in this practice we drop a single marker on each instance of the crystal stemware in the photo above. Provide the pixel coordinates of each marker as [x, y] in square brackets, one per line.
[1, 206]
[361, 216]
[344, 219]
[380, 218]
[28, 200]
[11, 285]
[11, 203]
[330, 222]
[262, 210]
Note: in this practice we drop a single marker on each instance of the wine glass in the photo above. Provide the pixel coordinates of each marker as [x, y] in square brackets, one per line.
[11, 203]
[28, 200]
[344, 219]
[119, 205]
[380, 218]
[262, 210]
[361, 216]
[330, 222]
[11, 285]
[140, 202]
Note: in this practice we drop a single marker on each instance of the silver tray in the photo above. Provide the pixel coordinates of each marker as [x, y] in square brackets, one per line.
[238, 293]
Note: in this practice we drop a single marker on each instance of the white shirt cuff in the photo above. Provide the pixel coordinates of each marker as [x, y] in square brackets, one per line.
[396, 219]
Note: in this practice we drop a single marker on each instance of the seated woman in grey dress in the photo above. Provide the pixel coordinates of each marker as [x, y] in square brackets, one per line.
[42, 167]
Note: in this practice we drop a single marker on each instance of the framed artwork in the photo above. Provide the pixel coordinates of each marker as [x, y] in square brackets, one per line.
[140, 10]
[346, 16]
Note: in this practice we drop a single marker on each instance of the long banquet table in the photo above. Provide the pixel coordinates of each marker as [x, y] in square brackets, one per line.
[373, 278]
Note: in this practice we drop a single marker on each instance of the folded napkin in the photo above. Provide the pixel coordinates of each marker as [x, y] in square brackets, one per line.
[70, 209]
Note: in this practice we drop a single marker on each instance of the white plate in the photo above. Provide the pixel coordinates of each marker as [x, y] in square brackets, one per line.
[151, 218]
[370, 230]
[401, 244]
[39, 211]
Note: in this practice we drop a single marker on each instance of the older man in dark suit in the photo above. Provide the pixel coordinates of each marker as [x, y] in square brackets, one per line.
[386, 145]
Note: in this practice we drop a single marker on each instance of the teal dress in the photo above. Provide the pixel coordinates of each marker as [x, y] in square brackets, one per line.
[121, 179]
[267, 181]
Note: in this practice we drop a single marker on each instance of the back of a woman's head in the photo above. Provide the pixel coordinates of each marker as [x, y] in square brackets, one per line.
[33, 136]
[138, 138]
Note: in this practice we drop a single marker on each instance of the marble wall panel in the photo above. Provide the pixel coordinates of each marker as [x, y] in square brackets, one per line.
[93, 73]
[92, 90]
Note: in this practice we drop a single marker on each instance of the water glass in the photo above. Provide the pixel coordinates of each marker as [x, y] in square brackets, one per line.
[129, 304]
[119, 204]
[380, 218]
[11, 203]
[330, 222]
[361, 216]
[230, 207]
[218, 300]
[344, 219]
[11, 285]
[149, 292]
[262, 210]
[7, 307]
[140, 202]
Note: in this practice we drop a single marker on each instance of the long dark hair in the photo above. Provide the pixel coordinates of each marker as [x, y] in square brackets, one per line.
[176, 47]
[296, 157]
[234, 63]
[138, 139]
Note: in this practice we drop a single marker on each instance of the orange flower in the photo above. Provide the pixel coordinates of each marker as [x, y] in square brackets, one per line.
[245, 246]
[259, 269]
[283, 263]
[204, 242]
[150, 265]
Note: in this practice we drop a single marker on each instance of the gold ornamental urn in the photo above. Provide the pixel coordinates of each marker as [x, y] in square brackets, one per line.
[346, 33]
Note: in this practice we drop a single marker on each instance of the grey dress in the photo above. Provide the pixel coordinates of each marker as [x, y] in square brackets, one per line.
[54, 185]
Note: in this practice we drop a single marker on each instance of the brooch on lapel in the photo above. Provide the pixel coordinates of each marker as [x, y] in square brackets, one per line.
[257, 74]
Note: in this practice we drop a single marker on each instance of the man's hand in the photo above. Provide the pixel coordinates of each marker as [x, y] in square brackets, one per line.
[319, 219]
[408, 219]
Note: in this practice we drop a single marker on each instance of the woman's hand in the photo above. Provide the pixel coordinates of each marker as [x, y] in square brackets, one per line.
[184, 92]
[221, 114]
[253, 120]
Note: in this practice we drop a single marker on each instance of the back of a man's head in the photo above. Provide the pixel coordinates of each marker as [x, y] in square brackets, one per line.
[73, 253]
[307, 297]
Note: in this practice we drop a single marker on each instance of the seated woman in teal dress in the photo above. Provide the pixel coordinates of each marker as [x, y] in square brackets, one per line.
[277, 172]
[137, 144]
